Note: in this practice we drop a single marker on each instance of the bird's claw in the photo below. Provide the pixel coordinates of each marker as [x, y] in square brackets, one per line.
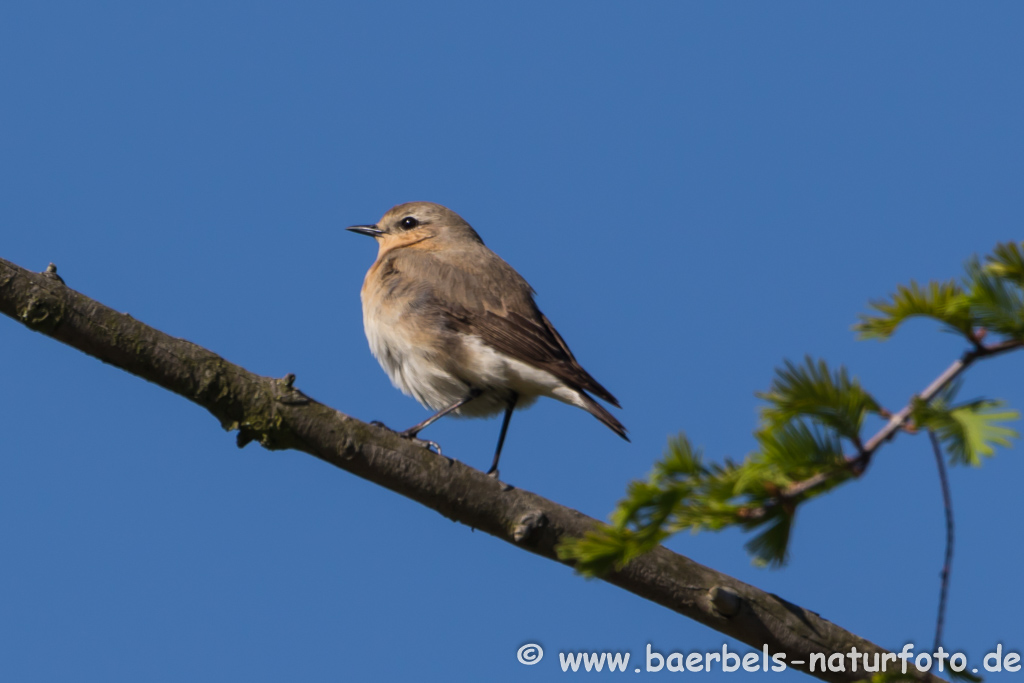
[432, 446]
[429, 445]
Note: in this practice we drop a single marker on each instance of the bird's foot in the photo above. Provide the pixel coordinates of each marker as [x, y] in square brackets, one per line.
[429, 445]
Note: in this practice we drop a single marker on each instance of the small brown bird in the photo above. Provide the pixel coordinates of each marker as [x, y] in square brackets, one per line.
[456, 328]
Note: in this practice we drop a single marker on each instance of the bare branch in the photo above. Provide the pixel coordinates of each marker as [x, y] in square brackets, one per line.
[279, 416]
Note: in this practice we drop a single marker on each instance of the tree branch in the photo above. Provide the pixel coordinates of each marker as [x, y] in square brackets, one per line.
[279, 416]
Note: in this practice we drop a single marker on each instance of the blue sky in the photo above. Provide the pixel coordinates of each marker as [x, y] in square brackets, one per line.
[697, 191]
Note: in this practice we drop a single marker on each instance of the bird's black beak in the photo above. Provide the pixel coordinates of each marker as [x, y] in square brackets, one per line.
[371, 230]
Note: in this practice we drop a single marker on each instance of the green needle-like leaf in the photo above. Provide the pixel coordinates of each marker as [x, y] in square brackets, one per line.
[943, 301]
[997, 303]
[770, 547]
[832, 399]
[684, 492]
[1007, 262]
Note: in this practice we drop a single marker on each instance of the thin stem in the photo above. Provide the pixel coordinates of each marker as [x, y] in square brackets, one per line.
[947, 565]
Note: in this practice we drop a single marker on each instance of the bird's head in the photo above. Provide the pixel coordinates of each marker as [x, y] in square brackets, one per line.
[415, 222]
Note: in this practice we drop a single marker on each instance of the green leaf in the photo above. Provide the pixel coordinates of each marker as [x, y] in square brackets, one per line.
[979, 424]
[798, 450]
[997, 303]
[771, 546]
[1007, 262]
[943, 301]
[969, 431]
[832, 399]
[605, 549]
[685, 492]
[990, 297]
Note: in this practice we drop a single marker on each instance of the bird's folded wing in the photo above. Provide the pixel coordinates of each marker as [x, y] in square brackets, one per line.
[530, 339]
[479, 294]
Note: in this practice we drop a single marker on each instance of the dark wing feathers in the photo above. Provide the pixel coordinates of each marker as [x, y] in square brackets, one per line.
[534, 342]
[495, 303]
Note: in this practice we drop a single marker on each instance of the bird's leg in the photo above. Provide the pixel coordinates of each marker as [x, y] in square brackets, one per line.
[411, 432]
[493, 472]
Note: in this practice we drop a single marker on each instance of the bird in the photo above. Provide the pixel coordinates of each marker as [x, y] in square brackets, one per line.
[457, 328]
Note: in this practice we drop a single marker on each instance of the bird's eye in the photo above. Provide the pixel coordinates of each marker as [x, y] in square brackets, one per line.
[408, 223]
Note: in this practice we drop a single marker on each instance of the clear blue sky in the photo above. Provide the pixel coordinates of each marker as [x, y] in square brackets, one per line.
[697, 191]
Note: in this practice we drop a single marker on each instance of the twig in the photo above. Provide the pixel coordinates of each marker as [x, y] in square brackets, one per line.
[947, 565]
[858, 463]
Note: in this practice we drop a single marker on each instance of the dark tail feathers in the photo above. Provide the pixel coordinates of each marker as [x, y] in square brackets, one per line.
[599, 411]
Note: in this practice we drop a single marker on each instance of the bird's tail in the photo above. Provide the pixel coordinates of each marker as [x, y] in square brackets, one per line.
[602, 414]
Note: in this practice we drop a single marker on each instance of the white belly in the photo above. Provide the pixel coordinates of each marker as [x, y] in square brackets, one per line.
[415, 368]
